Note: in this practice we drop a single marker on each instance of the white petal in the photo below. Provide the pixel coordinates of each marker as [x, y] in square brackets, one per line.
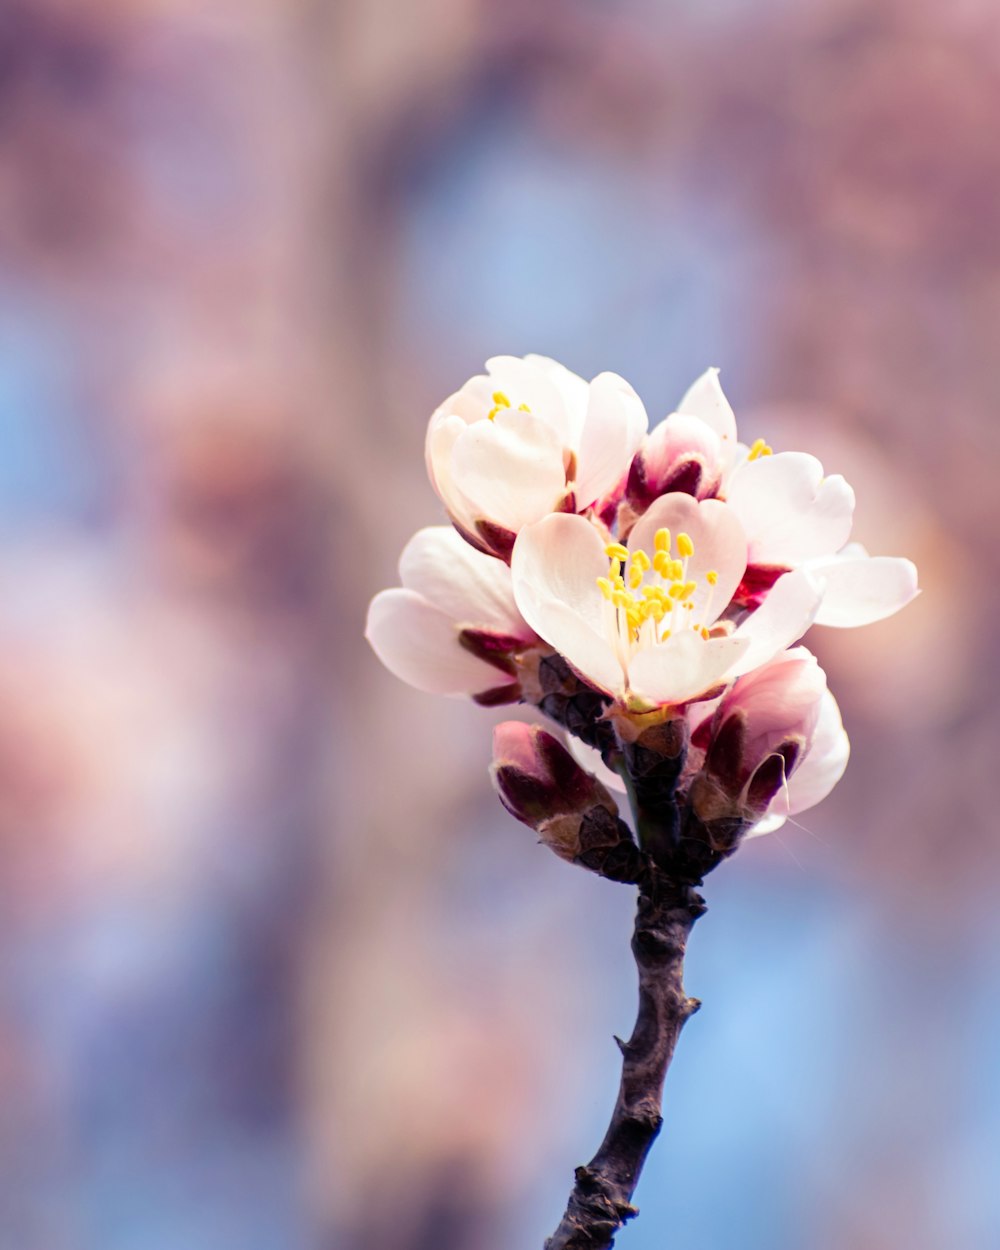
[572, 389]
[614, 427]
[862, 589]
[683, 667]
[555, 567]
[768, 824]
[705, 399]
[719, 544]
[419, 644]
[526, 382]
[679, 438]
[790, 511]
[442, 434]
[469, 587]
[590, 759]
[784, 616]
[509, 470]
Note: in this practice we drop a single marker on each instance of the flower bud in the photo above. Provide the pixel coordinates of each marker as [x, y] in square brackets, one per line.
[543, 786]
[682, 454]
[759, 733]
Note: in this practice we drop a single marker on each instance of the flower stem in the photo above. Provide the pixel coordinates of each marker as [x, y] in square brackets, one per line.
[601, 1200]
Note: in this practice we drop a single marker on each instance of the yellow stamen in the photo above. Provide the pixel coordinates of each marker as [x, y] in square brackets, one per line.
[523, 408]
[635, 577]
[712, 577]
[759, 448]
[500, 400]
[662, 540]
[662, 563]
[640, 560]
[616, 551]
[605, 587]
[685, 547]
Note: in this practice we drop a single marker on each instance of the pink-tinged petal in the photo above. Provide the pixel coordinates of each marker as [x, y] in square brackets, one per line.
[525, 382]
[704, 399]
[790, 511]
[590, 759]
[784, 616]
[683, 667]
[861, 589]
[419, 644]
[719, 545]
[509, 470]
[612, 431]
[816, 775]
[472, 589]
[555, 567]
[825, 761]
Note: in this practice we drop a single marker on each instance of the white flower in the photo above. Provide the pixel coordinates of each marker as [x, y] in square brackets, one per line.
[527, 439]
[794, 515]
[647, 629]
[454, 609]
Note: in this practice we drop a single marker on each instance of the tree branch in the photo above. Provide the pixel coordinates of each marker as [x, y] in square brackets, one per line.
[601, 1200]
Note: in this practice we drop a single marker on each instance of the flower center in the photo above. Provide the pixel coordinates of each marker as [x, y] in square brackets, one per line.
[648, 599]
[501, 401]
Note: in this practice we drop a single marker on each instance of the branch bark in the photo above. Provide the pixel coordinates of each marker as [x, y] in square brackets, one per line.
[601, 1200]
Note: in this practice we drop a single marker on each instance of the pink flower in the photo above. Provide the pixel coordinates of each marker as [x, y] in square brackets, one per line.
[453, 626]
[527, 439]
[773, 745]
[647, 629]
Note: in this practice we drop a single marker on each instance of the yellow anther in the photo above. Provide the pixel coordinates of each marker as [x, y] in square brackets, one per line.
[635, 577]
[640, 560]
[619, 581]
[677, 590]
[688, 607]
[500, 399]
[675, 571]
[665, 634]
[685, 547]
[616, 551]
[759, 448]
[663, 563]
[661, 539]
[605, 587]
[705, 634]
[614, 569]
[711, 577]
[523, 408]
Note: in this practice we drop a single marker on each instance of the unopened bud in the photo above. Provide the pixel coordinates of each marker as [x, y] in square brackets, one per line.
[573, 813]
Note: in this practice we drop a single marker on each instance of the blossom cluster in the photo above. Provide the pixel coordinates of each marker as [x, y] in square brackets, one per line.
[644, 590]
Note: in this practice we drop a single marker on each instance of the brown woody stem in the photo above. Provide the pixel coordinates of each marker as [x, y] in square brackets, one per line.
[601, 1200]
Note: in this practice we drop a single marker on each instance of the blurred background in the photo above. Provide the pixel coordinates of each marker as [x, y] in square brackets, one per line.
[276, 970]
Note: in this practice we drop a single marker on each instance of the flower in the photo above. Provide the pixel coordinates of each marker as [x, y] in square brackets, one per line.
[773, 745]
[526, 439]
[793, 514]
[453, 626]
[647, 628]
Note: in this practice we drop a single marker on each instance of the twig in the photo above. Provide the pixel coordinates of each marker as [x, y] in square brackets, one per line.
[601, 1200]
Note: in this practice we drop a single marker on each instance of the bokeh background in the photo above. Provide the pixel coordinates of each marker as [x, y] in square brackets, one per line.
[276, 971]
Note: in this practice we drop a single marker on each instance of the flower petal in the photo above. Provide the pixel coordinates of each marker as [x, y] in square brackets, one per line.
[614, 427]
[469, 587]
[683, 666]
[419, 644]
[862, 589]
[705, 399]
[783, 617]
[509, 470]
[790, 511]
[443, 432]
[573, 391]
[819, 771]
[718, 540]
[555, 567]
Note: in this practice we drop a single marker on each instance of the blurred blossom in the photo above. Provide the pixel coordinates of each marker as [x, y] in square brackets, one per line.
[275, 974]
